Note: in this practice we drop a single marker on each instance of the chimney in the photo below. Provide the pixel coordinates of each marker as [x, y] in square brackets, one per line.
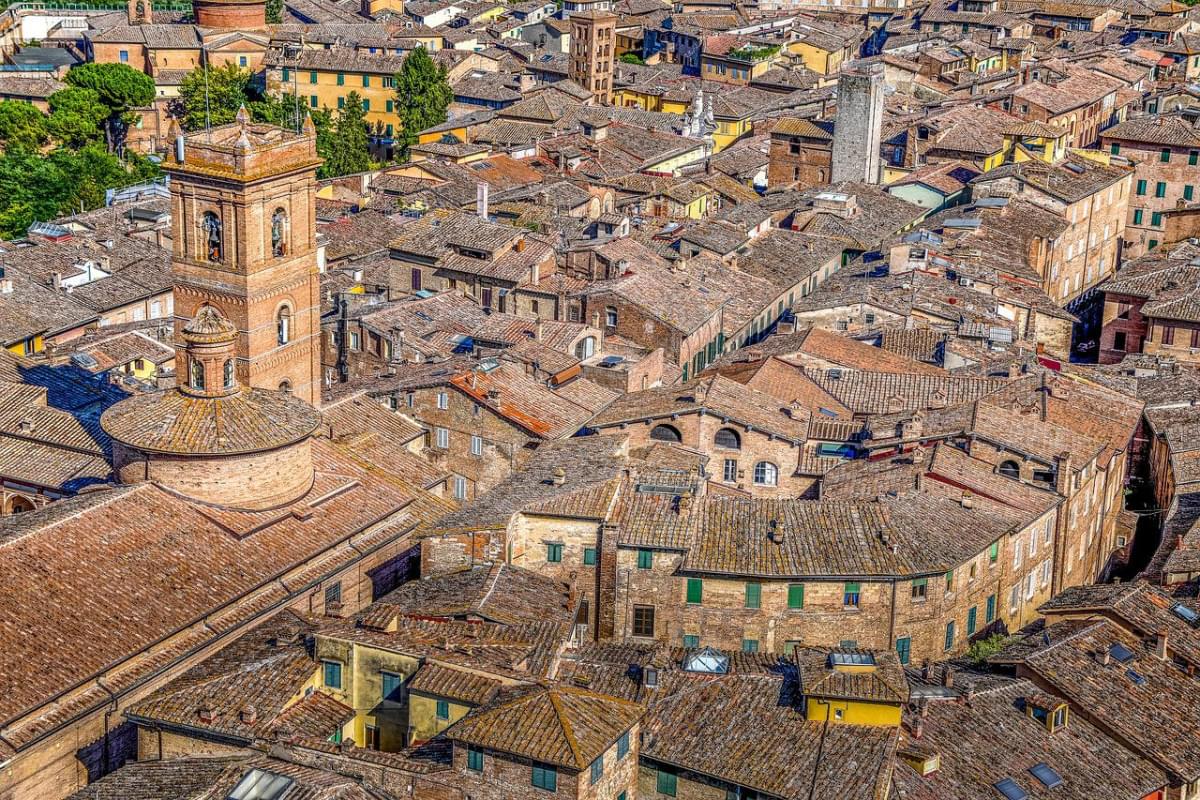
[520, 245]
[249, 715]
[56, 280]
[948, 678]
[205, 712]
[774, 532]
[481, 199]
[560, 476]
[918, 727]
[1062, 473]
[967, 500]
[537, 331]
[683, 504]
[1160, 645]
[1104, 657]
[6, 286]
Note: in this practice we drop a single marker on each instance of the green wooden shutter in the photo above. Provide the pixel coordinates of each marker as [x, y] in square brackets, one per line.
[695, 591]
[753, 595]
[795, 595]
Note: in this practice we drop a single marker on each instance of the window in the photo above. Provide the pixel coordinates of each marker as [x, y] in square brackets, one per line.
[279, 233]
[795, 595]
[1193, 157]
[1153, 243]
[850, 595]
[554, 552]
[666, 783]
[474, 759]
[1160, 189]
[1165, 155]
[443, 709]
[442, 438]
[753, 595]
[766, 474]
[904, 649]
[312, 77]
[1010, 469]
[392, 684]
[388, 106]
[695, 591]
[610, 317]
[971, 614]
[333, 593]
[460, 487]
[1188, 192]
[729, 470]
[332, 674]
[994, 552]
[354, 340]
[949, 581]
[623, 745]
[366, 79]
[214, 246]
[665, 433]
[597, 769]
[589, 556]
[124, 56]
[949, 635]
[283, 325]
[1141, 187]
[341, 79]
[545, 776]
[312, 101]
[366, 103]
[643, 621]
[476, 445]
[1155, 219]
[749, 645]
[645, 559]
[415, 279]
[341, 102]
[691, 641]
[1138, 216]
[920, 588]
[443, 400]
[728, 438]
[1168, 334]
[1115, 149]
[227, 370]
[990, 611]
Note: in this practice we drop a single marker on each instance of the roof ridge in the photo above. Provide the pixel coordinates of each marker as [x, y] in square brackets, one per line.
[568, 734]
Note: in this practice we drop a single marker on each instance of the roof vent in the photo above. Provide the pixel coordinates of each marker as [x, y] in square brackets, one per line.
[249, 715]
[560, 476]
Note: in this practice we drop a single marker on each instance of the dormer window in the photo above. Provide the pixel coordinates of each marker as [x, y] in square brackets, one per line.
[1049, 711]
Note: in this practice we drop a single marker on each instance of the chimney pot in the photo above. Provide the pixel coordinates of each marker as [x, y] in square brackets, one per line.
[560, 476]
[249, 715]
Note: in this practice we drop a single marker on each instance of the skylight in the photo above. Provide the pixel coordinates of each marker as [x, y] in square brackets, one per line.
[852, 659]
[707, 660]
[1009, 788]
[1135, 677]
[258, 784]
[1046, 774]
[1186, 614]
[1121, 653]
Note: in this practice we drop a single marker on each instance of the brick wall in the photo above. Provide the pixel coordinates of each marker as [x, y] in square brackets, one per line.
[793, 159]
[1122, 315]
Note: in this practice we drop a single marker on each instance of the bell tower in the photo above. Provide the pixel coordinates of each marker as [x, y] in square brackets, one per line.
[243, 217]
[140, 12]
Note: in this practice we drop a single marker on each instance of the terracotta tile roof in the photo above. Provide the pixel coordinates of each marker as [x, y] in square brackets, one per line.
[454, 684]
[182, 551]
[714, 395]
[561, 725]
[155, 780]
[174, 422]
[885, 393]
[1152, 705]
[1069, 180]
[884, 682]
[989, 738]
[747, 730]
[497, 593]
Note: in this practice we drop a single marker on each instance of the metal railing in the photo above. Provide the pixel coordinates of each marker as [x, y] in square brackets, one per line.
[94, 5]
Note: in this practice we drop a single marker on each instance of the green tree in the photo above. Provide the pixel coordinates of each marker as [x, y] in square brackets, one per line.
[349, 145]
[21, 125]
[227, 90]
[274, 11]
[121, 89]
[631, 58]
[422, 96]
[76, 116]
[980, 651]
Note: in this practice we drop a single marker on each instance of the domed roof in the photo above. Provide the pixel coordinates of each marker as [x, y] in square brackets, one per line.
[209, 326]
[247, 421]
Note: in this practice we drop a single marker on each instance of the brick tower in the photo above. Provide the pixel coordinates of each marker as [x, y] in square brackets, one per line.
[243, 216]
[593, 42]
[858, 124]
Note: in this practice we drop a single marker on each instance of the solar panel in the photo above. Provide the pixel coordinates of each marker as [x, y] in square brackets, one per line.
[259, 784]
[1186, 614]
[1121, 653]
[1046, 774]
[1009, 788]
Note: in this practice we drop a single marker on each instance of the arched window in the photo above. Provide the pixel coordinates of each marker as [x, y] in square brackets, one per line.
[228, 373]
[728, 438]
[19, 505]
[197, 380]
[214, 249]
[610, 317]
[285, 386]
[283, 325]
[586, 348]
[1010, 469]
[665, 433]
[279, 233]
[766, 474]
